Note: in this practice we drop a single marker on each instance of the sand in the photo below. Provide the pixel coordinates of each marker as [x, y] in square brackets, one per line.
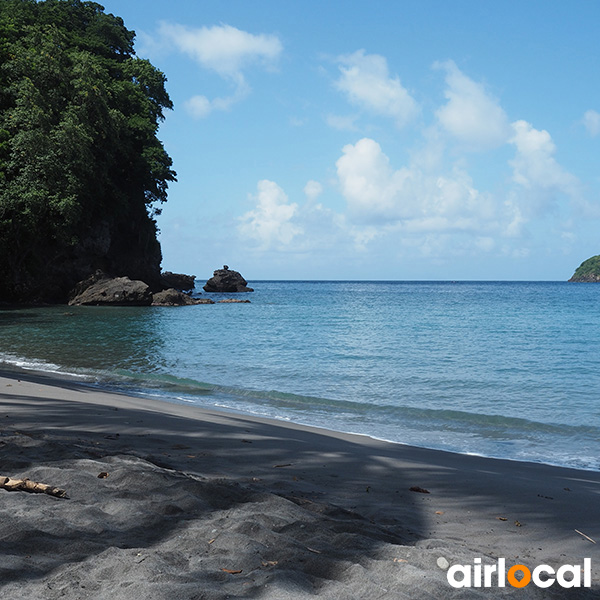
[199, 504]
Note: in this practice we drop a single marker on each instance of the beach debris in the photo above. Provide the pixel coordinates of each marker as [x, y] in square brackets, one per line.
[102, 475]
[567, 489]
[443, 563]
[518, 524]
[269, 563]
[280, 466]
[420, 490]
[439, 512]
[313, 550]
[400, 560]
[545, 497]
[587, 537]
[232, 571]
[26, 485]
[502, 518]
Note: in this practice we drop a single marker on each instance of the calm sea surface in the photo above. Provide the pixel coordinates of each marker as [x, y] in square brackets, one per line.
[502, 369]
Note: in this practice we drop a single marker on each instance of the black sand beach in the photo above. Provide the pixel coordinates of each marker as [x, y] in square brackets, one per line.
[197, 504]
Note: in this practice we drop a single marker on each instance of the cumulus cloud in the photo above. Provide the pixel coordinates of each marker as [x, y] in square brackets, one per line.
[365, 79]
[270, 223]
[471, 114]
[225, 50]
[534, 165]
[414, 198]
[591, 121]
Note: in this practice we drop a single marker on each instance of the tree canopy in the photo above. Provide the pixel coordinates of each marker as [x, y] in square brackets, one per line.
[82, 172]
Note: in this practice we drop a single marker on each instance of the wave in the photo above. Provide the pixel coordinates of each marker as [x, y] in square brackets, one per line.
[428, 426]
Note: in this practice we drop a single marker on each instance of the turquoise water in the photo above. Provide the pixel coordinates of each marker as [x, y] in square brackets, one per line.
[503, 369]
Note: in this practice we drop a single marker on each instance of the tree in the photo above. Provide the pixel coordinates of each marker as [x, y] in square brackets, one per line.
[82, 171]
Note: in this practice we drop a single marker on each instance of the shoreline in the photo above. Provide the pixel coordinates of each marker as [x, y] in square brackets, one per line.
[85, 380]
[297, 510]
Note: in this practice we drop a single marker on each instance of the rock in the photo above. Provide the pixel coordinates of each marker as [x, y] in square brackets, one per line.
[588, 271]
[203, 301]
[179, 281]
[233, 300]
[100, 289]
[172, 297]
[226, 280]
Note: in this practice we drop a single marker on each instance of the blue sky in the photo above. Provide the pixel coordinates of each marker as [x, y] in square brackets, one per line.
[378, 140]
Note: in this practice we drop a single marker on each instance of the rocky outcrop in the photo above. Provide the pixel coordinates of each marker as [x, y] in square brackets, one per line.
[233, 301]
[588, 271]
[226, 280]
[173, 297]
[101, 290]
[178, 281]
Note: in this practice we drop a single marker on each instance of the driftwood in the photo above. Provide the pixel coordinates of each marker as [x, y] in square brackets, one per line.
[26, 485]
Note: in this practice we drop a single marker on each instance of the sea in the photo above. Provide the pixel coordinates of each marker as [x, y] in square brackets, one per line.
[499, 369]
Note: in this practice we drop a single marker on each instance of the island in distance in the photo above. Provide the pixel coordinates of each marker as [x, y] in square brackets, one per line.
[227, 280]
[588, 271]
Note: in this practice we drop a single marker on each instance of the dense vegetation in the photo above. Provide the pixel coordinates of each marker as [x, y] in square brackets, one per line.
[81, 168]
[588, 270]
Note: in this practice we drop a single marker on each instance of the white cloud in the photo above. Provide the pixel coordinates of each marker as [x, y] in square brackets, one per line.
[534, 166]
[591, 121]
[222, 48]
[366, 80]
[313, 189]
[471, 114]
[409, 197]
[225, 50]
[270, 223]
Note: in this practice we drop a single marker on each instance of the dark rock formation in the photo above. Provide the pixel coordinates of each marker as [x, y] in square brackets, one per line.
[225, 280]
[178, 281]
[172, 297]
[234, 300]
[99, 289]
[588, 271]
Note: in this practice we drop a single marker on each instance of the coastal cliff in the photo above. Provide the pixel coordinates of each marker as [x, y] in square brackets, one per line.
[81, 168]
[588, 271]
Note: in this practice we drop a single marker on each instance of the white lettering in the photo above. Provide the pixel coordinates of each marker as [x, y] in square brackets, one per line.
[542, 583]
[477, 573]
[587, 572]
[466, 580]
[488, 570]
[501, 571]
[575, 570]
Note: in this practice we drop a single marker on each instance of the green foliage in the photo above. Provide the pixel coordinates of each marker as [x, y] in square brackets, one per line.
[589, 270]
[79, 115]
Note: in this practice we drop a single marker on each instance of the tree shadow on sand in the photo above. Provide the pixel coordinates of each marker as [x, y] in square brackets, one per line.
[224, 507]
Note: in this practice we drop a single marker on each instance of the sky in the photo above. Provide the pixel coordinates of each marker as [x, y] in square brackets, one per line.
[377, 140]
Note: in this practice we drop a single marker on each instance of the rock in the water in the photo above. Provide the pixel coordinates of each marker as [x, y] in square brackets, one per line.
[588, 271]
[178, 281]
[226, 280]
[100, 289]
[234, 300]
[172, 297]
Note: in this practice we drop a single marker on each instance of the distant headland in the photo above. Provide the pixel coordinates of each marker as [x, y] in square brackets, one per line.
[588, 270]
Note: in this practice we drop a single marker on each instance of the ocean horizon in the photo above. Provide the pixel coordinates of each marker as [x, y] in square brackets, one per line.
[505, 369]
